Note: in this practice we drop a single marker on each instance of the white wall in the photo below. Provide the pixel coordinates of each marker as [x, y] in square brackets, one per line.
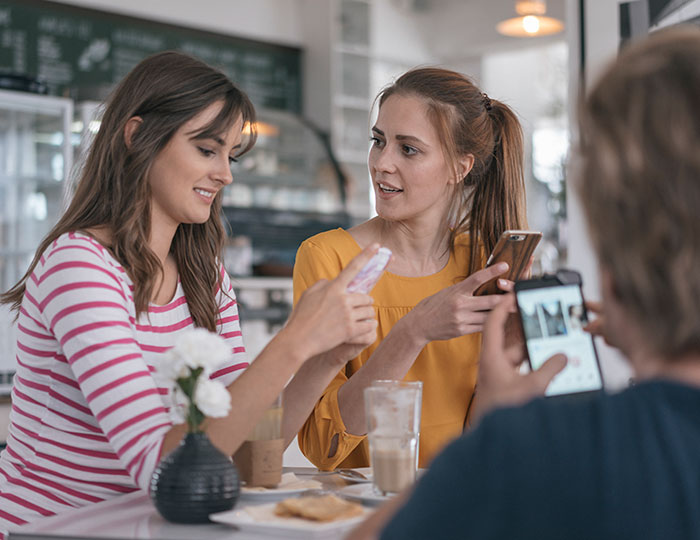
[400, 34]
[601, 42]
[276, 21]
[399, 41]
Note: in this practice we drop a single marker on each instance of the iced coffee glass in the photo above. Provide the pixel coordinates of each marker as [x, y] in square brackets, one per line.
[259, 459]
[393, 410]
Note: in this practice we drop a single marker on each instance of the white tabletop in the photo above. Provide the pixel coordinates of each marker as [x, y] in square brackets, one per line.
[133, 516]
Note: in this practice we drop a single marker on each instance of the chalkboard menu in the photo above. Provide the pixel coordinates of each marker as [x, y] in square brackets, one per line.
[81, 53]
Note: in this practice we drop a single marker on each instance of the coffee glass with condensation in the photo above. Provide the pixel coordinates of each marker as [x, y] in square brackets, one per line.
[393, 411]
[259, 459]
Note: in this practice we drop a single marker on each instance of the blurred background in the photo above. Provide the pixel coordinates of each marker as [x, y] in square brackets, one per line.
[313, 68]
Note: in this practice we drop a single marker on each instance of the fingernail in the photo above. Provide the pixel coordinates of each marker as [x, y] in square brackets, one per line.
[502, 266]
[503, 282]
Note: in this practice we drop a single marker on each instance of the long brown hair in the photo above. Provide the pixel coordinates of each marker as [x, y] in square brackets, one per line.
[165, 90]
[639, 182]
[491, 198]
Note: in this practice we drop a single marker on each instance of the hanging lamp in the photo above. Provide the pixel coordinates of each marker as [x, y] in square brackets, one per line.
[531, 21]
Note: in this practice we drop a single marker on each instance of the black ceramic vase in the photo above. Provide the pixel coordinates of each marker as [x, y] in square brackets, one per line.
[193, 481]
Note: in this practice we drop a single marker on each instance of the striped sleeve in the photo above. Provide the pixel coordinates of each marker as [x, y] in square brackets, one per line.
[229, 327]
[85, 306]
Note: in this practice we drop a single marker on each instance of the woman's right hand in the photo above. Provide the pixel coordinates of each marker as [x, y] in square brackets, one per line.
[327, 315]
[455, 311]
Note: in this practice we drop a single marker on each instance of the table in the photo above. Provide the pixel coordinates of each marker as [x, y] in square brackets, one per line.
[133, 516]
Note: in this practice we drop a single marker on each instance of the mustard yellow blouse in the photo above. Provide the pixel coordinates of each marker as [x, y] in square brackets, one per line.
[448, 369]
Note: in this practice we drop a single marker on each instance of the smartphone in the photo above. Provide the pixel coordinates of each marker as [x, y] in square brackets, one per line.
[367, 277]
[553, 315]
[515, 248]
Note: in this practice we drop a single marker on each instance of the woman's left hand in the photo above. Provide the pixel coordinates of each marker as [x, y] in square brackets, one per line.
[507, 285]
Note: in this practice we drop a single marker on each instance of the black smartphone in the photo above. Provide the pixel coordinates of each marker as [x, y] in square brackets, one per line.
[553, 315]
[515, 248]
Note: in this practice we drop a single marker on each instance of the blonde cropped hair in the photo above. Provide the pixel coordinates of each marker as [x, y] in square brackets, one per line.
[640, 184]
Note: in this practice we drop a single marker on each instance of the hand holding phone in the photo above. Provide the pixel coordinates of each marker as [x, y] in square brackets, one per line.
[500, 382]
[515, 248]
[553, 316]
[367, 277]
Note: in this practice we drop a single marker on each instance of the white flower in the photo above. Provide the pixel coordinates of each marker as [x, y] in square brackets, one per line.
[185, 369]
[212, 398]
[178, 409]
[173, 366]
[201, 348]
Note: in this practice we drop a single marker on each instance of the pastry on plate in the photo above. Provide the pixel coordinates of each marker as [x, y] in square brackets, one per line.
[322, 508]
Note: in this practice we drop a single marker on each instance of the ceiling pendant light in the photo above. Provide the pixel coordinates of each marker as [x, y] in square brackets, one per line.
[531, 21]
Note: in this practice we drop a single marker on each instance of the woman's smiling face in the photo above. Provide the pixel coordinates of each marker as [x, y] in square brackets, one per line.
[187, 174]
[410, 174]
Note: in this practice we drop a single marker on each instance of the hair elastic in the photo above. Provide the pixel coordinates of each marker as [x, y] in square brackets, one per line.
[487, 101]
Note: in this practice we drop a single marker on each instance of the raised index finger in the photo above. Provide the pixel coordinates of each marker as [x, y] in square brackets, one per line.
[355, 265]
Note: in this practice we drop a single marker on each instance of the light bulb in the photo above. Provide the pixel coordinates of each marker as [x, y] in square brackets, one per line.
[531, 24]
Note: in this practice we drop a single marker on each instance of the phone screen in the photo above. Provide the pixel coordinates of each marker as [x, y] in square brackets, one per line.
[553, 319]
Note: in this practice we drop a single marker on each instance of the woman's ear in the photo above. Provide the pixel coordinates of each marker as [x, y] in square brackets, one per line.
[132, 124]
[464, 165]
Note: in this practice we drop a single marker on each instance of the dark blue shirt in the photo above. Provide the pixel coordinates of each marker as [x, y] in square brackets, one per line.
[610, 467]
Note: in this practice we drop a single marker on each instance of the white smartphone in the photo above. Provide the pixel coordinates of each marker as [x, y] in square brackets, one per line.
[367, 277]
[553, 315]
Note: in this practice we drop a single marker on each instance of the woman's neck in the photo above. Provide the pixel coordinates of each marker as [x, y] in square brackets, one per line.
[160, 243]
[162, 233]
[419, 249]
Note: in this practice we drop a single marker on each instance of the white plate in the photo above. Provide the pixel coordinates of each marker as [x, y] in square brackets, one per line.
[290, 484]
[271, 494]
[364, 493]
[366, 471]
[285, 527]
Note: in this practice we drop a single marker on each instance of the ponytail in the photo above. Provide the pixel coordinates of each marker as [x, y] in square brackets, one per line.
[497, 200]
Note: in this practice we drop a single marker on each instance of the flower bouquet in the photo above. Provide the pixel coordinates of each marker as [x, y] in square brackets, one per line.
[196, 479]
[186, 369]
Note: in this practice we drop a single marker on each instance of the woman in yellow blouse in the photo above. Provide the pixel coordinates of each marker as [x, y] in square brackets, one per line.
[446, 167]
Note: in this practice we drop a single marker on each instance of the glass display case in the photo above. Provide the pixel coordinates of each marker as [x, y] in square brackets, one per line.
[287, 188]
[35, 159]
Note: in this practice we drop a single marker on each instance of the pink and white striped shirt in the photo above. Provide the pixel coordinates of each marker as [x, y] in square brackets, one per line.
[88, 418]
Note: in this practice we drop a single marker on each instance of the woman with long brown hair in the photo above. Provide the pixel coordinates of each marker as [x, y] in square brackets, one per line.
[446, 167]
[133, 263]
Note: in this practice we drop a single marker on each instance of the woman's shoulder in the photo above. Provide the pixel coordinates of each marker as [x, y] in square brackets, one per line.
[79, 247]
[336, 240]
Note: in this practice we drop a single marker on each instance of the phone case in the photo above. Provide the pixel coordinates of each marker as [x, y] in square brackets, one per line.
[516, 253]
[367, 278]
